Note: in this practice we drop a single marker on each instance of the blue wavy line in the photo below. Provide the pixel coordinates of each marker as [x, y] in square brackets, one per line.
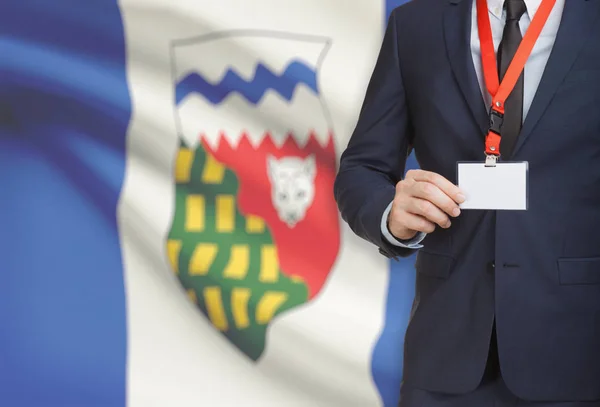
[295, 74]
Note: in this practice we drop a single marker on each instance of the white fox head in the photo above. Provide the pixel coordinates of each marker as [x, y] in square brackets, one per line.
[292, 186]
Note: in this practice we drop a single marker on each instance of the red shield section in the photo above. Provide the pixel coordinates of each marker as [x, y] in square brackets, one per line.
[310, 247]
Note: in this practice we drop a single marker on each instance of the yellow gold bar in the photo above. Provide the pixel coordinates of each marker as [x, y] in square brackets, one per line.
[173, 250]
[254, 224]
[237, 267]
[269, 264]
[202, 258]
[239, 307]
[214, 307]
[195, 212]
[268, 306]
[213, 171]
[225, 213]
[183, 165]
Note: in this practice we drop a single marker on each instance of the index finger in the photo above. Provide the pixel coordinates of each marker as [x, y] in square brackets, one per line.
[442, 183]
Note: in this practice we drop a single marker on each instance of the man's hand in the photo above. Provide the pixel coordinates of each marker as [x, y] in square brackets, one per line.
[423, 199]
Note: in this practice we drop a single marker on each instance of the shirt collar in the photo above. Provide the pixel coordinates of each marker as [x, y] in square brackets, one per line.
[496, 7]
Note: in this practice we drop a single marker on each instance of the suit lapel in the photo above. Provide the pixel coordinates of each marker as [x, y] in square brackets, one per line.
[577, 20]
[457, 35]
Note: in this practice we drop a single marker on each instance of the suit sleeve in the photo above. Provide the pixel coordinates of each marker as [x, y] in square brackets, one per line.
[375, 157]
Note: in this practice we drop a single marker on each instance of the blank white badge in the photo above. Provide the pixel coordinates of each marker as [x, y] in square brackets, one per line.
[503, 187]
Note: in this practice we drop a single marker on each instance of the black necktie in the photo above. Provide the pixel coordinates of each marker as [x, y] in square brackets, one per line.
[513, 107]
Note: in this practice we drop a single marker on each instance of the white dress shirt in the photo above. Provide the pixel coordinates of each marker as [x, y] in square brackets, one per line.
[534, 68]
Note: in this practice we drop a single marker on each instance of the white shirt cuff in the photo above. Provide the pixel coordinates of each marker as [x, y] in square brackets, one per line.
[413, 243]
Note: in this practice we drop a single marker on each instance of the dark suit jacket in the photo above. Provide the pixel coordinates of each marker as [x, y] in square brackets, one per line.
[544, 289]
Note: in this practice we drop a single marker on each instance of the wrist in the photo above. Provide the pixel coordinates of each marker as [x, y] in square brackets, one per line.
[404, 235]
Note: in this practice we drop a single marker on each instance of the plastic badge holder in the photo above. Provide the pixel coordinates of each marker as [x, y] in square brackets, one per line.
[501, 186]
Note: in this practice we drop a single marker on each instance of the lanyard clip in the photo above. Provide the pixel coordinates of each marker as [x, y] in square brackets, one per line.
[496, 120]
[492, 140]
[490, 160]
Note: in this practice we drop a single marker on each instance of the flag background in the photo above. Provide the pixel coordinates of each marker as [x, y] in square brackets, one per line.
[91, 313]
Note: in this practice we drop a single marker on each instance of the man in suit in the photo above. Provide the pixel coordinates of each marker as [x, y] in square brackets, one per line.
[507, 306]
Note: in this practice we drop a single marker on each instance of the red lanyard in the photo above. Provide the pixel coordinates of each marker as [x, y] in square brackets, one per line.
[501, 91]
